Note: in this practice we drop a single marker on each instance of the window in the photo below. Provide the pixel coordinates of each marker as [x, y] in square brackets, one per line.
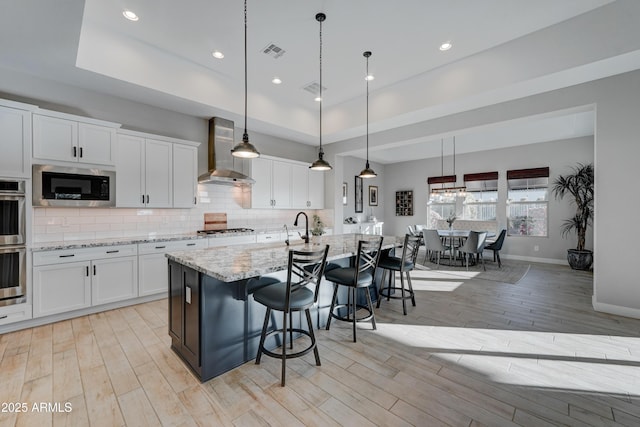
[441, 204]
[527, 202]
[481, 199]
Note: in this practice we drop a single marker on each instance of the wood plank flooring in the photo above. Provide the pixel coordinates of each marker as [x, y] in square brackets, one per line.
[472, 353]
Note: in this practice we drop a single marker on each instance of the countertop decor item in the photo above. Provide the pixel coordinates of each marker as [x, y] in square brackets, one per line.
[367, 172]
[321, 164]
[245, 149]
[580, 185]
[318, 226]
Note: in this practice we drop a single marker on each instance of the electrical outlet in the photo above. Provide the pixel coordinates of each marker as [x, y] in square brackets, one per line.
[536, 248]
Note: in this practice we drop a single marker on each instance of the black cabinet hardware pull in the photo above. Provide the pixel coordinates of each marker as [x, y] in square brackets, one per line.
[80, 151]
[160, 247]
[143, 199]
[113, 252]
[94, 270]
[75, 152]
[87, 267]
[66, 256]
[147, 199]
[4, 317]
[191, 244]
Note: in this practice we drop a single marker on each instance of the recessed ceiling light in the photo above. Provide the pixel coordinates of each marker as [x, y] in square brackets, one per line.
[369, 77]
[317, 99]
[131, 16]
[217, 54]
[276, 81]
[446, 46]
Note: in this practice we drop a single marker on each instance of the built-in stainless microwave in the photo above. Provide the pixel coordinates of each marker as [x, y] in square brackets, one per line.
[73, 187]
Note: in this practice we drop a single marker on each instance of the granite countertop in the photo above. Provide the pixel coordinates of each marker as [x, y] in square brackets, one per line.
[238, 262]
[78, 244]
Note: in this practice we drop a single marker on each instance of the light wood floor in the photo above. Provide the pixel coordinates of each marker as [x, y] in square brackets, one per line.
[472, 353]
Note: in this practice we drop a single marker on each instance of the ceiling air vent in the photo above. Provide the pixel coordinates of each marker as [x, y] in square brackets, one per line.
[273, 51]
[314, 88]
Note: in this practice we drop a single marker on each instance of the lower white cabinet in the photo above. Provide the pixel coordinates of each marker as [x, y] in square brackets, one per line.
[66, 280]
[15, 313]
[152, 263]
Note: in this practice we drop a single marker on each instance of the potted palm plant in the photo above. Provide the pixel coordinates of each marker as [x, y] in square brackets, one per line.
[578, 184]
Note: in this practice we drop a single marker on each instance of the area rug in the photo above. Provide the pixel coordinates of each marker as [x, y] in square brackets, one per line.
[511, 271]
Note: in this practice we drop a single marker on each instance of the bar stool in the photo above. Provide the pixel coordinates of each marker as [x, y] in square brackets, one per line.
[404, 264]
[304, 268]
[358, 277]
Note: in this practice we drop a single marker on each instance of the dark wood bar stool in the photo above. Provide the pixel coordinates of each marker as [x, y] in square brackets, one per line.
[298, 293]
[360, 276]
[404, 265]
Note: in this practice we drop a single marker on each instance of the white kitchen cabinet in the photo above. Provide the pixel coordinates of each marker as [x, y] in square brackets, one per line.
[316, 189]
[15, 140]
[152, 263]
[307, 187]
[363, 228]
[15, 313]
[270, 237]
[144, 172]
[68, 140]
[185, 176]
[66, 280]
[273, 183]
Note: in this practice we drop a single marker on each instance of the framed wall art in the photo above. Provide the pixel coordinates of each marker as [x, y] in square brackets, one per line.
[373, 195]
[344, 193]
[358, 193]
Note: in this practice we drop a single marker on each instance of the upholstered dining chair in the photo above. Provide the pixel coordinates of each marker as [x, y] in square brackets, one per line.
[433, 245]
[496, 247]
[474, 245]
[299, 293]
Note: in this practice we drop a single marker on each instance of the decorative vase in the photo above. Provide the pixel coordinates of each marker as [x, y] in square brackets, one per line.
[580, 260]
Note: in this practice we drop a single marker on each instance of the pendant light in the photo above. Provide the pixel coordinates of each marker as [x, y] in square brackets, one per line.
[367, 172]
[245, 149]
[320, 164]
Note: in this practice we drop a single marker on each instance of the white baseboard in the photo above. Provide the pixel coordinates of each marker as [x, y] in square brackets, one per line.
[39, 321]
[615, 309]
[535, 259]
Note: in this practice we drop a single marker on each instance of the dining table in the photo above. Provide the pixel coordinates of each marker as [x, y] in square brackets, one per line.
[460, 236]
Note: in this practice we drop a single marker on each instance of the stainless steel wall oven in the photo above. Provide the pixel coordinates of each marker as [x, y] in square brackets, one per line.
[12, 242]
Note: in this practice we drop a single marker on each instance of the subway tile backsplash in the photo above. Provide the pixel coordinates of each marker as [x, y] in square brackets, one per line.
[68, 224]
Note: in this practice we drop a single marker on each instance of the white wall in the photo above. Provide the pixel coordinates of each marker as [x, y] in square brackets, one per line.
[557, 155]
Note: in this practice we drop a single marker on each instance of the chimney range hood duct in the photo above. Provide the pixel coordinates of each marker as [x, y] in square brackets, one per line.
[223, 167]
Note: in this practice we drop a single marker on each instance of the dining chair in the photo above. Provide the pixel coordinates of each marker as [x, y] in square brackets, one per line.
[360, 276]
[433, 245]
[299, 293]
[474, 245]
[496, 247]
[403, 264]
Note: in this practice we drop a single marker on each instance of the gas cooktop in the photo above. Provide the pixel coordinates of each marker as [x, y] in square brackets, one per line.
[226, 231]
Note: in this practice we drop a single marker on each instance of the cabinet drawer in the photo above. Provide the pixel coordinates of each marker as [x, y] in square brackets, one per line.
[177, 245]
[83, 254]
[268, 237]
[15, 313]
[235, 240]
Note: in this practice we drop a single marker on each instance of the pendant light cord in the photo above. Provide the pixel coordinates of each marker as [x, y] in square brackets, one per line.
[367, 79]
[245, 135]
[320, 90]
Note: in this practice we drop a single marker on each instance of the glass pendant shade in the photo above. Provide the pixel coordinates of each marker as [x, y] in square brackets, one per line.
[245, 149]
[320, 164]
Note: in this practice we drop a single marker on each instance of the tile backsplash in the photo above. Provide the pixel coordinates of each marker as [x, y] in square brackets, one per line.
[67, 224]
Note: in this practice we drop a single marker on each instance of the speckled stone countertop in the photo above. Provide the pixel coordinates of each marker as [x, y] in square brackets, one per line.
[238, 262]
[77, 244]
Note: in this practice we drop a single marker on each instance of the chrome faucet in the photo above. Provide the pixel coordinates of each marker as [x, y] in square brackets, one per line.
[286, 231]
[306, 228]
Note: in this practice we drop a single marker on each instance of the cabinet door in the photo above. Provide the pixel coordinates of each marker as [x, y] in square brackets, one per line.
[281, 184]
[175, 303]
[191, 329]
[55, 139]
[96, 144]
[316, 189]
[185, 176]
[61, 287]
[114, 279]
[14, 142]
[130, 172]
[152, 274]
[261, 190]
[158, 174]
[299, 186]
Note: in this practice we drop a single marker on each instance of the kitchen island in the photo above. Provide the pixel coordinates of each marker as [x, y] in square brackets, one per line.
[214, 323]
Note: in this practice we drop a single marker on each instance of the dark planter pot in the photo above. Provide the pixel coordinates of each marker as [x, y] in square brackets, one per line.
[580, 260]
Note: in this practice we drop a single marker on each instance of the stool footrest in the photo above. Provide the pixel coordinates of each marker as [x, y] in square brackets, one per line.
[290, 355]
[385, 292]
[348, 318]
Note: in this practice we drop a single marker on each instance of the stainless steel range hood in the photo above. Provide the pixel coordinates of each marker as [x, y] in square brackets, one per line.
[223, 167]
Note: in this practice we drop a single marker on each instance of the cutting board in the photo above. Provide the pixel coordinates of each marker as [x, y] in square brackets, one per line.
[215, 221]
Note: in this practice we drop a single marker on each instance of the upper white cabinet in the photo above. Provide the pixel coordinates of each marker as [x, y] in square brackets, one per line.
[285, 184]
[185, 176]
[15, 140]
[155, 172]
[272, 188]
[58, 136]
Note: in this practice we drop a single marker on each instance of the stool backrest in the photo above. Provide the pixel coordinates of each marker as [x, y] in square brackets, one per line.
[368, 256]
[305, 268]
[410, 250]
